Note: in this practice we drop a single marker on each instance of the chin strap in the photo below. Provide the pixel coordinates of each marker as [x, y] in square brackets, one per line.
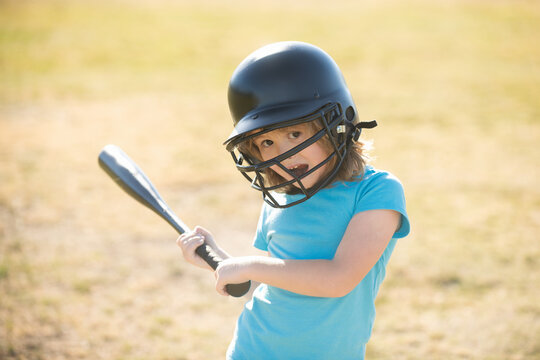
[357, 129]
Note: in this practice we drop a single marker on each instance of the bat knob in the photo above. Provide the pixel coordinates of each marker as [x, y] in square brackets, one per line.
[238, 290]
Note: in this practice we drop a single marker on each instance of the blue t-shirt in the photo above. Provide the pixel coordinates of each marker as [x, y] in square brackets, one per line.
[279, 324]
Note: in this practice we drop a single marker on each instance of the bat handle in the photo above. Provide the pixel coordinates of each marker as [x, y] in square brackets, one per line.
[213, 259]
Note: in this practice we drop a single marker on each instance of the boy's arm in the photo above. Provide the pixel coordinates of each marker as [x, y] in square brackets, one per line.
[365, 240]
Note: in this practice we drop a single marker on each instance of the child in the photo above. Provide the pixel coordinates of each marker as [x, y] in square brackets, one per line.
[329, 222]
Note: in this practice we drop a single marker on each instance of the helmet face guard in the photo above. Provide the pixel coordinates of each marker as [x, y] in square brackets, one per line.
[329, 119]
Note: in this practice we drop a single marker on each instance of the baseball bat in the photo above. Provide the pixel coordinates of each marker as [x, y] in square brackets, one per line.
[131, 178]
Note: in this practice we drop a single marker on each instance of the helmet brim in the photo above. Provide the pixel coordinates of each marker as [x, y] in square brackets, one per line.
[277, 115]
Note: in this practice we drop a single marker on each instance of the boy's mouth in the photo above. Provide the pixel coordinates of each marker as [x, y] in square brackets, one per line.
[299, 170]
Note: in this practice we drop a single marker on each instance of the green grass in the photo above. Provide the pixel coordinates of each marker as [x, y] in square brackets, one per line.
[86, 273]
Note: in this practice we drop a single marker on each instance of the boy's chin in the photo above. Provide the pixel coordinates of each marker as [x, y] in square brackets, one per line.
[295, 188]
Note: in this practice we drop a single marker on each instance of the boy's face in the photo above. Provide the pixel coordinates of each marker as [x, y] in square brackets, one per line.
[275, 143]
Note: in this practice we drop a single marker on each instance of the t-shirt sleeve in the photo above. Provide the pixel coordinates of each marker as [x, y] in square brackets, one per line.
[384, 191]
[260, 241]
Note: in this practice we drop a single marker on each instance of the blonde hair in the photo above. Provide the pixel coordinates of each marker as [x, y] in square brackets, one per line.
[352, 168]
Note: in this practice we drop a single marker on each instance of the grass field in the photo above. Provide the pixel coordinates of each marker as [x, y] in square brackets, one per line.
[86, 273]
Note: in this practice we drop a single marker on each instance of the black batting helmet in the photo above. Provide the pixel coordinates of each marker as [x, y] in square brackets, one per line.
[283, 84]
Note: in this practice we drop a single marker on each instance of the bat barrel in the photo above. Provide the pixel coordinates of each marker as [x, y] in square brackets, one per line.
[132, 180]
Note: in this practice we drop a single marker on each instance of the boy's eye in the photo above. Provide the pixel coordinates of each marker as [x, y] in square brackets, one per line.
[295, 134]
[266, 143]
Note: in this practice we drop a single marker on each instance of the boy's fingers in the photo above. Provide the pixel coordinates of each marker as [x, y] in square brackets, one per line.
[186, 239]
[202, 231]
[188, 244]
[192, 244]
[220, 288]
[196, 243]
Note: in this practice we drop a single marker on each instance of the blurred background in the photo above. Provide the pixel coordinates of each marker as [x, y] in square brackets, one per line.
[87, 273]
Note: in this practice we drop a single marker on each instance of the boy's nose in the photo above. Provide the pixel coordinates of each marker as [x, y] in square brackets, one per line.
[285, 146]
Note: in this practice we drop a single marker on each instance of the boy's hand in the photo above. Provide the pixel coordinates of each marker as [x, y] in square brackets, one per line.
[190, 241]
[232, 271]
